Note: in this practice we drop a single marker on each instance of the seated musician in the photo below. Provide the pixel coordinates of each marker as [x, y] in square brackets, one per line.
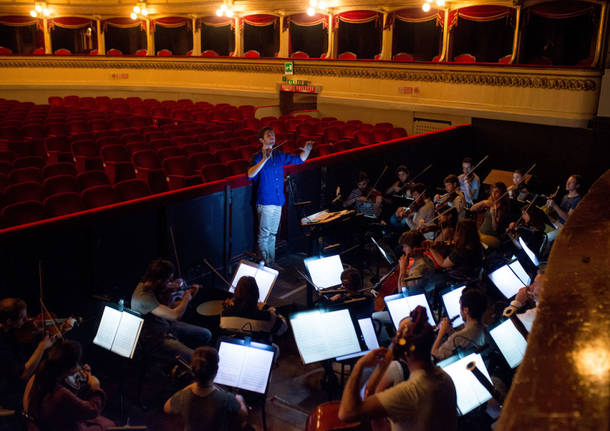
[163, 331]
[454, 198]
[528, 295]
[63, 395]
[530, 228]
[447, 223]
[569, 200]
[499, 212]
[470, 183]
[518, 189]
[365, 199]
[19, 357]
[464, 257]
[359, 302]
[426, 401]
[244, 312]
[473, 303]
[401, 185]
[419, 213]
[203, 406]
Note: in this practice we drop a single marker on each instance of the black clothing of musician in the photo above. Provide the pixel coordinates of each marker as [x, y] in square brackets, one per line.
[163, 331]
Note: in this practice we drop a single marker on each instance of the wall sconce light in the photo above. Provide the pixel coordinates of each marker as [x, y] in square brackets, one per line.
[225, 10]
[139, 11]
[40, 9]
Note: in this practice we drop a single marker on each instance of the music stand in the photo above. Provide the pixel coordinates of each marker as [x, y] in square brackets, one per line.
[509, 341]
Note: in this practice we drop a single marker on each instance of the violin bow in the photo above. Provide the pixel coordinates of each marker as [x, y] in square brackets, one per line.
[478, 164]
[172, 237]
[522, 179]
[43, 308]
[217, 273]
[385, 168]
[421, 173]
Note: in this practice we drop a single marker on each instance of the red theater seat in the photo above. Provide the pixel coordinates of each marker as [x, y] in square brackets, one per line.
[324, 149]
[119, 171]
[146, 159]
[179, 173]
[63, 168]
[224, 156]
[238, 167]
[24, 174]
[332, 134]
[465, 58]
[252, 54]
[381, 135]
[299, 54]
[383, 126]
[62, 204]
[166, 152]
[5, 51]
[91, 178]
[164, 53]
[363, 138]
[21, 213]
[63, 51]
[114, 52]
[200, 160]
[115, 153]
[131, 189]
[403, 56]
[60, 184]
[28, 161]
[348, 55]
[215, 172]
[209, 53]
[142, 52]
[398, 132]
[26, 191]
[99, 196]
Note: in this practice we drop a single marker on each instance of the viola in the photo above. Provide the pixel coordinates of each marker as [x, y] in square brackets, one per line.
[45, 323]
[173, 291]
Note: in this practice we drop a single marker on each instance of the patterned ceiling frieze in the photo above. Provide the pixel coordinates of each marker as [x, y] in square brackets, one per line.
[474, 77]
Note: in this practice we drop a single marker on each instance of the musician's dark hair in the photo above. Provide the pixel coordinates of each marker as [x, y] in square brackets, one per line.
[502, 189]
[453, 217]
[537, 217]
[10, 308]
[467, 160]
[263, 130]
[412, 238]
[417, 340]
[204, 364]
[246, 295]
[158, 271]
[363, 176]
[453, 179]
[352, 276]
[467, 236]
[475, 300]
[419, 188]
[518, 171]
[402, 168]
[61, 358]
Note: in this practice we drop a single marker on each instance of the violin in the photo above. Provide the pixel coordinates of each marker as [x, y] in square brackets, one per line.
[173, 291]
[445, 200]
[45, 323]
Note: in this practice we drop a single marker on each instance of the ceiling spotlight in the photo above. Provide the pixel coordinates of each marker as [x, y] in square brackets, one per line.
[144, 11]
[33, 13]
[46, 12]
[229, 13]
[426, 7]
[38, 8]
[218, 12]
[136, 9]
[133, 16]
[311, 11]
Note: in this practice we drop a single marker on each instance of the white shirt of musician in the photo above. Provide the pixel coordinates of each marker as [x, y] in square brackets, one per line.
[425, 402]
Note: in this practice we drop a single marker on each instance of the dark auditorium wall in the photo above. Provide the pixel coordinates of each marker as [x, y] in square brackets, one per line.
[557, 151]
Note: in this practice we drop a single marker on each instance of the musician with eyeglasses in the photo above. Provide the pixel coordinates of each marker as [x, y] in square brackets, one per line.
[470, 183]
[454, 198]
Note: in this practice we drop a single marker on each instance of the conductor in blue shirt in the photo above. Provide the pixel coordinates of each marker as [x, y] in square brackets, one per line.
[267, 171]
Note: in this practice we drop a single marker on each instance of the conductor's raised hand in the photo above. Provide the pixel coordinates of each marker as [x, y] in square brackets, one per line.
[307, 147]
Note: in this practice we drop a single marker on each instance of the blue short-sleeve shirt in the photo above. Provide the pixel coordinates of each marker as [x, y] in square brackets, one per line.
[270, 180]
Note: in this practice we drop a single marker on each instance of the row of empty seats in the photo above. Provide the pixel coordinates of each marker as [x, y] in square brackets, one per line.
[82, 152]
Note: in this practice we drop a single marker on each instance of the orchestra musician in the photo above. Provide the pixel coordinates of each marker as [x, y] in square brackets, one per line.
[454, 198]
[202, 405]
[447, 223]
[530, 228]
[267, 171]
[365, 199]
[426, 401]
[400, 187]
[359, 302]
[518, 189]
[569, 200]
[420, 212]
[528, 295]
[19, 357]
[498, 214]
[163, 330]
[244, 311]
[470, 183]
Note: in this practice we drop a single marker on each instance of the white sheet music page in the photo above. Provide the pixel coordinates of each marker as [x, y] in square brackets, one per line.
[368, 332]
[520, 272]
[229, 364]
[326, 271]
[321, 336]
[127, 335]
[399, 309]
[451, 300]
[511, 343]
[506, 281]
[415, 300]
[108, 327]
[470, 392]
[244, 367]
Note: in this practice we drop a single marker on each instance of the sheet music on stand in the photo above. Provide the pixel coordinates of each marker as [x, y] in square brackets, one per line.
[325, 272]
[510, 278]
[244, 364]
[265, 277]
[322, 335]
[451, 301]
[324, 216]
[400, 306]
[510, 342]
[119, 331]
[469, 391]
[370, 339]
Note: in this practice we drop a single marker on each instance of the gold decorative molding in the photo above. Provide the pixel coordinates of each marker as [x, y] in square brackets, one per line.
[539, 80]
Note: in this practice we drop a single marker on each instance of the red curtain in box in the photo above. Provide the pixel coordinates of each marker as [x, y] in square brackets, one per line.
[71, 22]
[413, 15]
[562, 9]
[20, 21]
[216, 21]
[171, 22]
[480, 14]
[358, 17]
[123, 23]
[260, 20]
[304, 20]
